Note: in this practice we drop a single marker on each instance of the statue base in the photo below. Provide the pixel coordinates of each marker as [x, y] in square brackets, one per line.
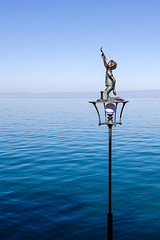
[107, 98]
[104, 96]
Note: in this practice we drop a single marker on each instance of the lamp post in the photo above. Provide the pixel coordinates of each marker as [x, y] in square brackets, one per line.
[110, 108]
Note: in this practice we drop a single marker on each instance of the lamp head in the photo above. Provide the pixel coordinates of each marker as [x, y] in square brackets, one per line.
[110, 109]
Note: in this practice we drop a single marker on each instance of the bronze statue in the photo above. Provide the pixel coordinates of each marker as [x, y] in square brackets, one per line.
[109, 79]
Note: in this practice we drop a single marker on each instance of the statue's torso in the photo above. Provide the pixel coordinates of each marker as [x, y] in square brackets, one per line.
[108, 80]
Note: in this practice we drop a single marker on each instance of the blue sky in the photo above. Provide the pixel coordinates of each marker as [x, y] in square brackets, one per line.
[53, 45]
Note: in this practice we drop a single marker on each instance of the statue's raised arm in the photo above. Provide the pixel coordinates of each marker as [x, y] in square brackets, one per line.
[103, 57]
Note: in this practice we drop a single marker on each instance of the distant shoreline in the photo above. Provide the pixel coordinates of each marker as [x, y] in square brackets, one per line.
[122, 94]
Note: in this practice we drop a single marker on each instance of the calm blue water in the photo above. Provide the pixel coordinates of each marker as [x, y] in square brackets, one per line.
[54, 171]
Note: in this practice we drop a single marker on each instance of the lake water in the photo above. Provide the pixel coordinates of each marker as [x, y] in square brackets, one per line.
[54, 171]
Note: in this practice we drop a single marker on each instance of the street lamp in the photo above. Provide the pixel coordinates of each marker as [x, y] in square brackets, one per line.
[111, 106]
[110, 109]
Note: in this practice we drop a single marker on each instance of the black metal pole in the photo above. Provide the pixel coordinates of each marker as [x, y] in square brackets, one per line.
[110, 214]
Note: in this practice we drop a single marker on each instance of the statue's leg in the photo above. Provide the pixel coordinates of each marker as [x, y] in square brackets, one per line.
[109, 89]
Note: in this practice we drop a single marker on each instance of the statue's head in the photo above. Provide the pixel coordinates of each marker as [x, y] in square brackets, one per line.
[112, 64]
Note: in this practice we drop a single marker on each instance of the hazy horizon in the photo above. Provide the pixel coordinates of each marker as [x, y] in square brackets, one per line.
[84, 94]
[144, 90]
